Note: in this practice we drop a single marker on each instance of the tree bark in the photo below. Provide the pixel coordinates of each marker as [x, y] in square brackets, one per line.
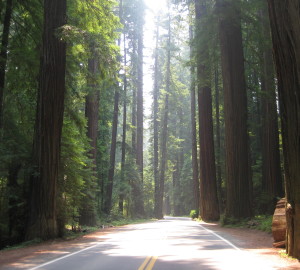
[238, 199]
[209, 207]
[43, 214]
[218, 141]
[88, 212]
[272, 178]
[285, 26]
[111, 171]
[3, 53]
[196, 187]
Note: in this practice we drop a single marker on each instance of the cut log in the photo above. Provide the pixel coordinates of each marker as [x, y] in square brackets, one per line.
[279, 222]
[279, 244]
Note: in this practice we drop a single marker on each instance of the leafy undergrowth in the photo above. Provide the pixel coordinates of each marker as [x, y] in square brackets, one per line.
[260, 222]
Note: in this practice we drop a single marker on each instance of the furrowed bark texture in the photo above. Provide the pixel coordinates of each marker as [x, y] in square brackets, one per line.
[43, 216]
[272, 178]
[209, 207]
[285, 26]
[238, 199]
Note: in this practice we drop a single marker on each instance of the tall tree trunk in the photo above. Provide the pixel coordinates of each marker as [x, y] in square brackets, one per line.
[238, 199]
[218, 140]
[155, 127]
[123, 154]
[111, 171]
[285, 26]
[3, 53]
[209, 207]
[139, 206]
[163, 157]
[164, 132]
[43, 214]
[272, 178]
[196, 188]
[88, 211]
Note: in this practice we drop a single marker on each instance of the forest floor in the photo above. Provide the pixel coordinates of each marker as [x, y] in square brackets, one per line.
[244, 238]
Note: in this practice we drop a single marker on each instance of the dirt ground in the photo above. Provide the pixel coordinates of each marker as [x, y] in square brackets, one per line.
[248, 239]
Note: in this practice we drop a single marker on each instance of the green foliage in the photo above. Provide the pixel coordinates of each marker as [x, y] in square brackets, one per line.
[260, 222]
[194, 214]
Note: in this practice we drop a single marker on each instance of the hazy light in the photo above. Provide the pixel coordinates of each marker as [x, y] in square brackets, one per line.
[156, 5]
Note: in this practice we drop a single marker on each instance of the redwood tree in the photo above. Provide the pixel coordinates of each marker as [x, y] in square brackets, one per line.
[238, 198]
[285, 26]
[271, 175]
[209, 208]
[88, 213]
[43, 214]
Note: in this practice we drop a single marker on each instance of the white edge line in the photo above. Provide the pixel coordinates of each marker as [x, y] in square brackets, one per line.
[220, 237]
[63, 257]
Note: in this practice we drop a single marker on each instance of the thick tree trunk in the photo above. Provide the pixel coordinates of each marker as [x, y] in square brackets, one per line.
[3, 53]
[285, 26]
[13, 200]
[238, 199]
[209, 207]
[43, 214]
[88, 211]
[272, 178]
[196, 188]
[111, 171]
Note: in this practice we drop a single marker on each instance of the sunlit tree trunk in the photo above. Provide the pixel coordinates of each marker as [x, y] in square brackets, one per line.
[285, 26]
[43, 213]
[111, 171]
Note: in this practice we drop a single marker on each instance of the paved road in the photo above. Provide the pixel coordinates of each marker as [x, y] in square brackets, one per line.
[169, 244]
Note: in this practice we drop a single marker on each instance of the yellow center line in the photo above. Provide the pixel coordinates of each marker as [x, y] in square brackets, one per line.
[145, 263]
[148, 263]
[152, 262]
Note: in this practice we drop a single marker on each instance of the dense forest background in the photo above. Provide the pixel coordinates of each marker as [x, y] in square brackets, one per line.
[82, 141]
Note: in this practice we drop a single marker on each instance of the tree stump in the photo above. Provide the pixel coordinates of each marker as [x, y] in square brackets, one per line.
[279, 222]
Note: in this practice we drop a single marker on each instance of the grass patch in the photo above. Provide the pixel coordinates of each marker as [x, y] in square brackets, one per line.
[260, 222]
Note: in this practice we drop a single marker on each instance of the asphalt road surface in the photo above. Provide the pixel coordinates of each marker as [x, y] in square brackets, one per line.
[169, 244]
